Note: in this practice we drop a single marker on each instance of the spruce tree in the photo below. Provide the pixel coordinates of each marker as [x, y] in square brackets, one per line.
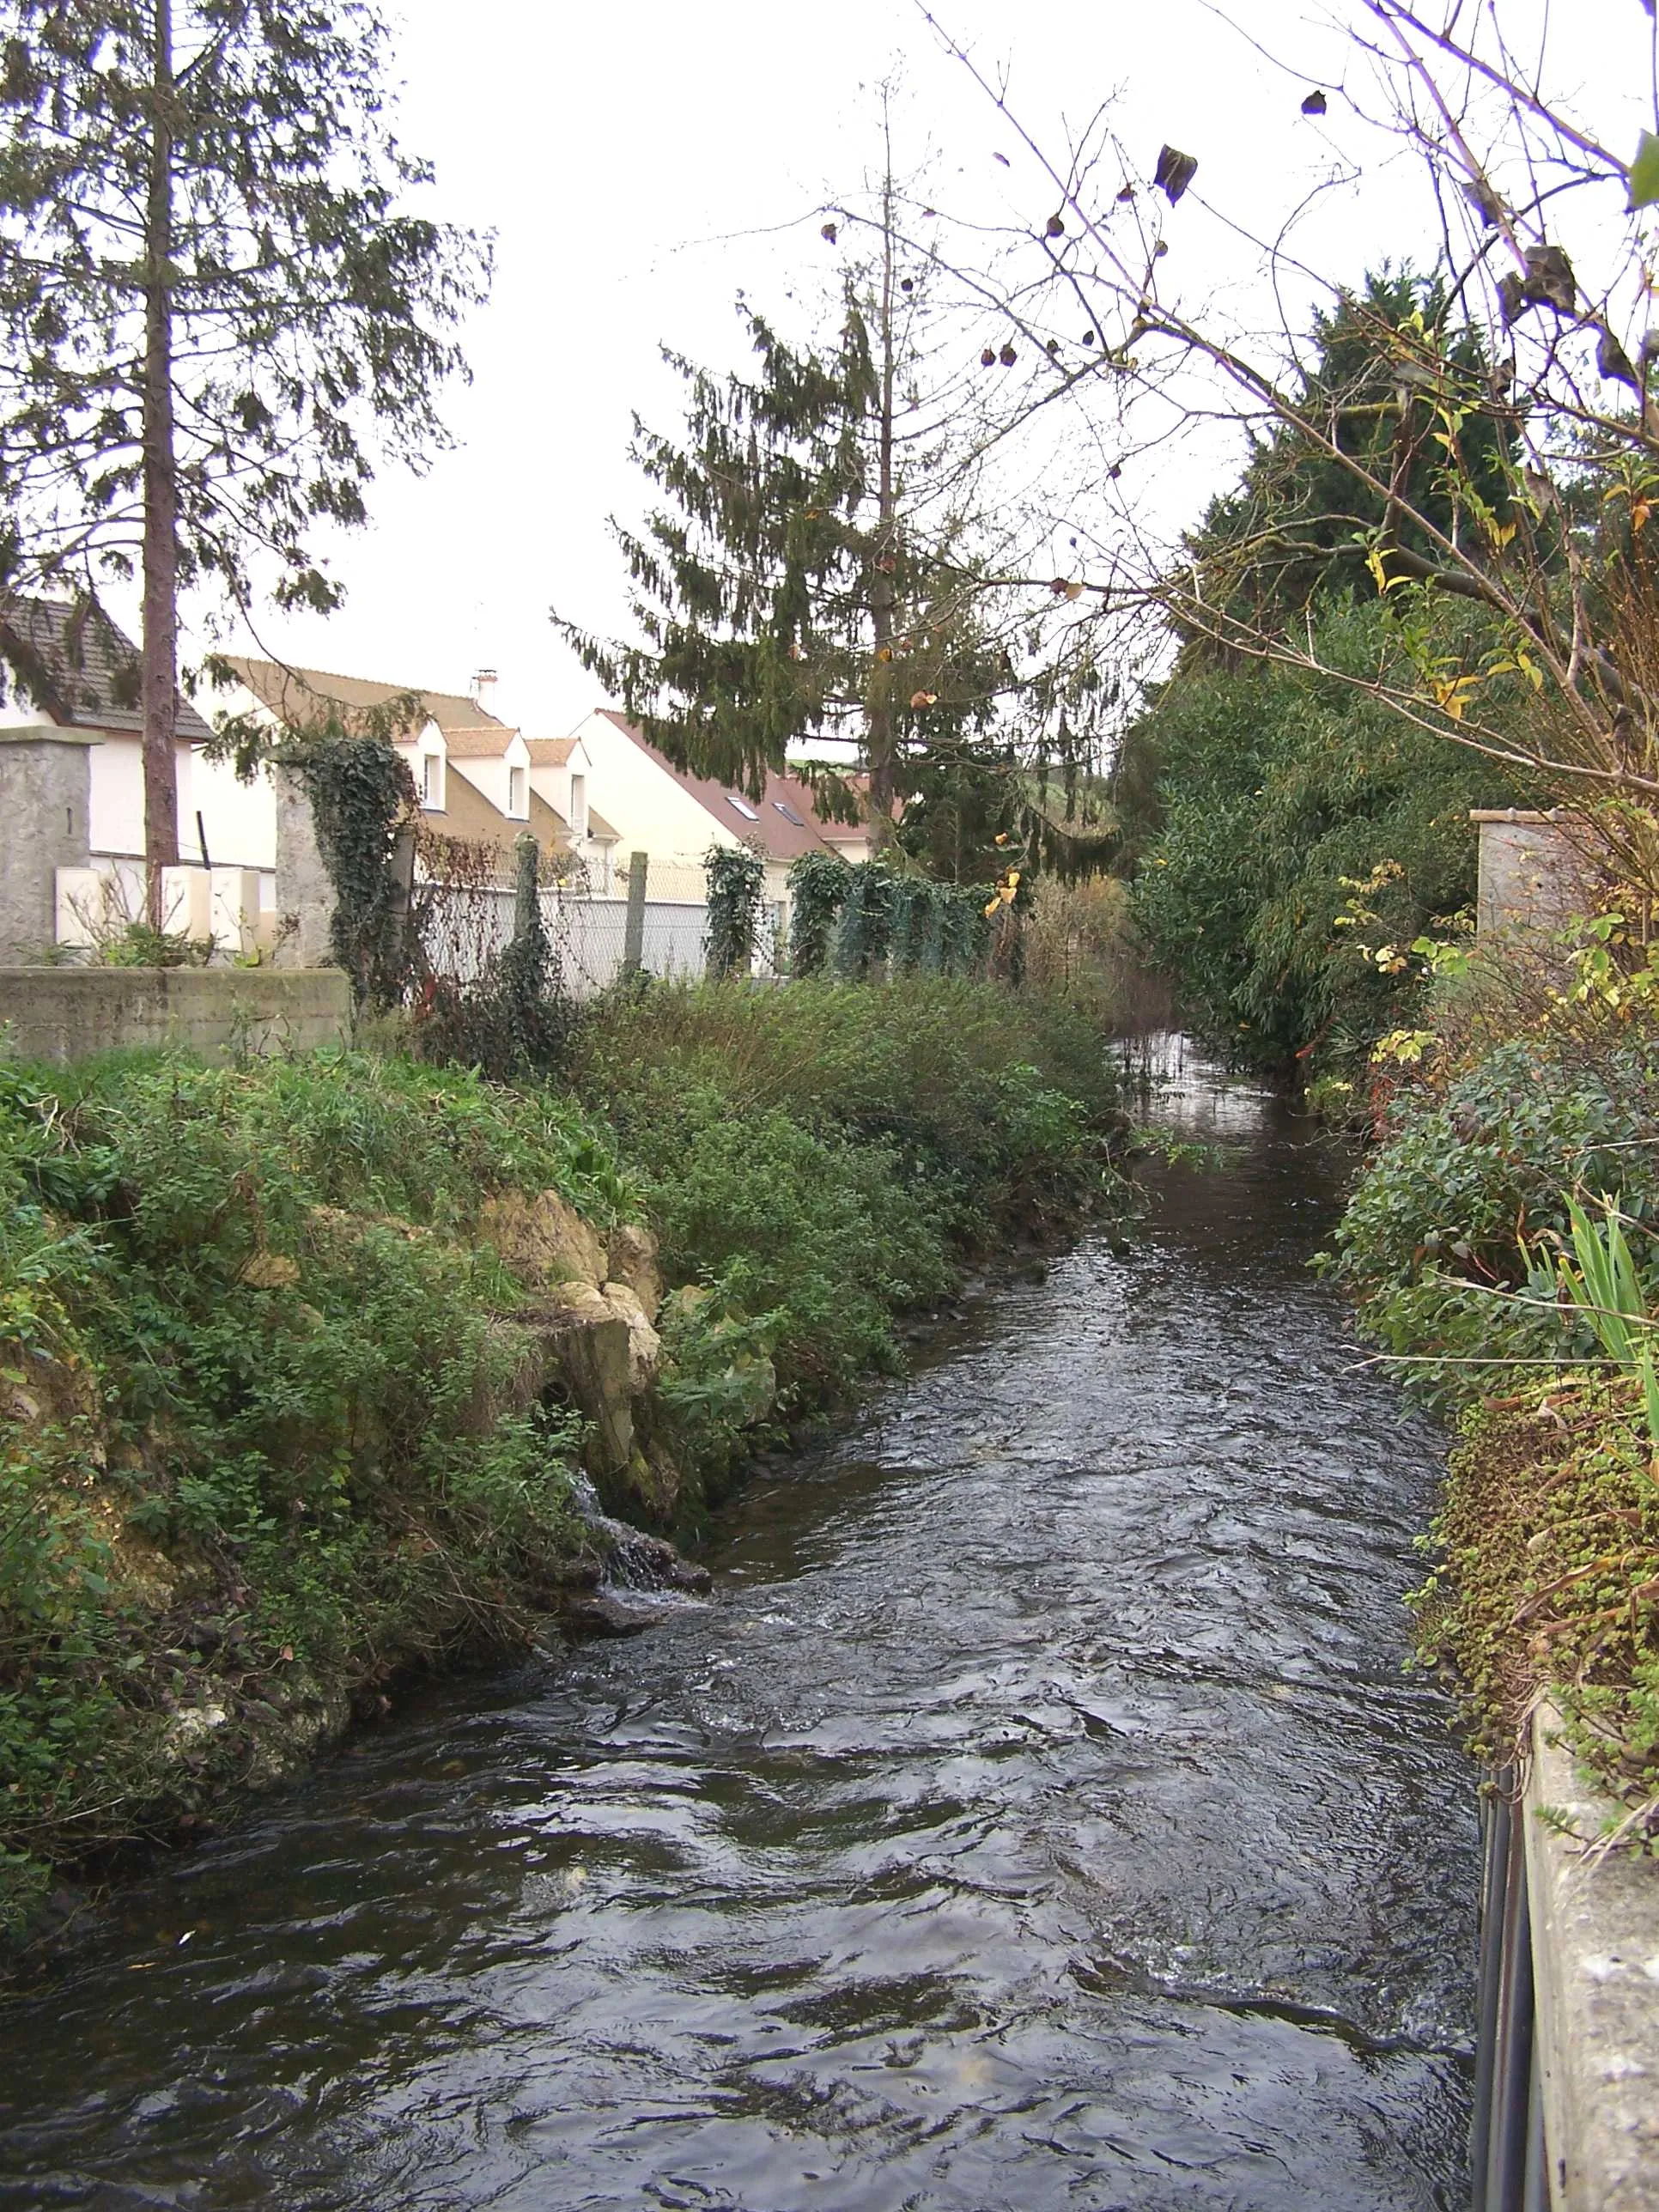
[217, 308]
[829, 558]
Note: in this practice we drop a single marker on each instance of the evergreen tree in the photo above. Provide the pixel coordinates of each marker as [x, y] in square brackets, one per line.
[1389, 374]
[216, 307]
[821, 565]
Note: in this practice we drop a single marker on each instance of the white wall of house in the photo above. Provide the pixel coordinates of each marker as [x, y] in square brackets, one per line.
[650, 812]
[239, 819]
[427, 757]
[18, 712]
[551, 781]
[115, 812]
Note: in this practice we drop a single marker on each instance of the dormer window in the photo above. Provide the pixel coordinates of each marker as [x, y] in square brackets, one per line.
[578, 805]
[518, 795]
[741, 806]
[432, 782]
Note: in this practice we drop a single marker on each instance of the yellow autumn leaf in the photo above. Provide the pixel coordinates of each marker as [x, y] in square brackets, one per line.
[1451, 696]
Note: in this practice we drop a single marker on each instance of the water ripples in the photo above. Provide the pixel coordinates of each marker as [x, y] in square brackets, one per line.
[1038, 1816]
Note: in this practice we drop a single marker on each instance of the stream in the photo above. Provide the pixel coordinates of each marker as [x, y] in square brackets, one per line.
[1037, 1815]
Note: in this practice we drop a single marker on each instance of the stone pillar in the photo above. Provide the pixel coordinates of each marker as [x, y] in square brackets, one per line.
[1533, 878]
[46, 777]
[304, 897]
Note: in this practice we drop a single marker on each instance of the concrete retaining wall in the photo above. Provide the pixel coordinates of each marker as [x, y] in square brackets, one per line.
[1567, 2079]
[70, 1013]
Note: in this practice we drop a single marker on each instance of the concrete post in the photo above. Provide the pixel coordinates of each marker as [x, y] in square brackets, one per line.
[305, 895]
[46, 777]
[634, 927]
[526, 869]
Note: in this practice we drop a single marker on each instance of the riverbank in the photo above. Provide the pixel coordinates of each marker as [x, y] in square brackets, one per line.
[1515, 1164]
[1035, 1814]
[300, 1360]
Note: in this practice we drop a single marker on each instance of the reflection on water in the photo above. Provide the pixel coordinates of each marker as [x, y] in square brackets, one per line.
[1036, 1817]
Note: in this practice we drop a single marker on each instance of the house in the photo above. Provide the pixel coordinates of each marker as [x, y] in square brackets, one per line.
[472, 772]
[674, 817]
[70, 666]
[562, 769]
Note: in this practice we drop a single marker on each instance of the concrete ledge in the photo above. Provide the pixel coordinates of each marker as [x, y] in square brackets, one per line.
[70, 1013]
[1595, 1969]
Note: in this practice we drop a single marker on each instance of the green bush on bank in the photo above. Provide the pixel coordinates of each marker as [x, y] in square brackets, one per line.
[253, 1359]
[818, 1151]
[1471, 1187]
[247, 1352]
[1547, 1536]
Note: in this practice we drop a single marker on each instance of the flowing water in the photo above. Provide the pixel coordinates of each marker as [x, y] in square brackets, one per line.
[1037, 1815]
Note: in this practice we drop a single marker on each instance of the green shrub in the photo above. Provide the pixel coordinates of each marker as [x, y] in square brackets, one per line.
[1466, 1175]
[819, 1150]
[251, 1375]
[822, 1235]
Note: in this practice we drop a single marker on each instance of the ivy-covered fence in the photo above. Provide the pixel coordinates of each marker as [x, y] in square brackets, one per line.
[864, 922]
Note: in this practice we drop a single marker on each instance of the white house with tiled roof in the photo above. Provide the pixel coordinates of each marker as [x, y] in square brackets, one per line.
[69, 666]
[471, 770]
[674, 817]
[561, 770]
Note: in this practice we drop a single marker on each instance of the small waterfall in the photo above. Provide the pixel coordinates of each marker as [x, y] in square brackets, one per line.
[641, 1576]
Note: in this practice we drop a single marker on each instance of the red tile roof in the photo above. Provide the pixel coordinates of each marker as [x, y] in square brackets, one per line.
[550, 752]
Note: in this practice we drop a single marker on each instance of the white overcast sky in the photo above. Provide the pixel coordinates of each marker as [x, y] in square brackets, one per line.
[640, 163]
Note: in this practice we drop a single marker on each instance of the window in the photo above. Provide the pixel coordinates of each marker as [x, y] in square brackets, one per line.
[517, 798]
[788, 813]
[432, 782]
[742, 806]
[578, 805]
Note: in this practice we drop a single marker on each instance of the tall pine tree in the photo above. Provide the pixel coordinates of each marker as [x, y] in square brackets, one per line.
[217, 308]
[829, 561]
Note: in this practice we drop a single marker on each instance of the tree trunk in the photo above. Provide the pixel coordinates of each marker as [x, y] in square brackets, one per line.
[159, 680]
[878, 716]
